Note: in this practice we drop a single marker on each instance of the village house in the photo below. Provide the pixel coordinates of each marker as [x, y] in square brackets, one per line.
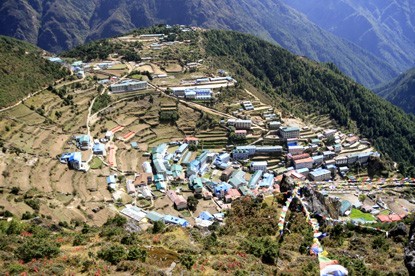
[179, 202]
[191, 140]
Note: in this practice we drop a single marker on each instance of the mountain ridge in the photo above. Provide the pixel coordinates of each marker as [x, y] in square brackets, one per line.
[384, 28]
[54, 26]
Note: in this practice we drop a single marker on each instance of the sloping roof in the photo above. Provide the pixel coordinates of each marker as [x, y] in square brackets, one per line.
[154, 216]
[205, 215]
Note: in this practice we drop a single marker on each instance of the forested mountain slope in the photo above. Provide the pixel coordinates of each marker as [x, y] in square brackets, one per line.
[23, 70]
[59, 25]
[401, 91]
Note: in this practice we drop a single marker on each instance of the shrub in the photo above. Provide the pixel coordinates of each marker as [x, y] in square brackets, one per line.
[187, 261]
[136, 253]
[113, 254]
[158, 227]
[37, 248]
[15, 190]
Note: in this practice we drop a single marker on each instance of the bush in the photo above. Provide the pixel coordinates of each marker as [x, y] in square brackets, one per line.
[192, 203]
[15, 190]
[33, 203]
[37, 248]
[15, 269]
[187, 261]
[113, 254]
[158, 227]
[136, 253]
[79, 240]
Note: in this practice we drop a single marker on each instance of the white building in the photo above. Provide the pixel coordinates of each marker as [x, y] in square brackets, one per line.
[268, 149]
[320, 175]
[259, 166]
[274, 125]
[240, 124]
[295, 149]
[128, 86]
[247, 105]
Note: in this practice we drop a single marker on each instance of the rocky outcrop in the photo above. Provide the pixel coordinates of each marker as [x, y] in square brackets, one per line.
[399, 230]
[319, 204]
[410, 251]
[316, 202]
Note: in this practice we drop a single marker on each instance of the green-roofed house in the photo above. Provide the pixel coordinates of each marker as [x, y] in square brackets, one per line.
[177, 172]
[237, 179]
[154, 216]
[197, 185]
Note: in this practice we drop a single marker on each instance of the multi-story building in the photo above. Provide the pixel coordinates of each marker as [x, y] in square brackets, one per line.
[128, 86]
[240, 124]
[241, 133]
[268, 149]
[289, 132]
[320, 175]
[295, 149]
[304, 163]
[259, 165]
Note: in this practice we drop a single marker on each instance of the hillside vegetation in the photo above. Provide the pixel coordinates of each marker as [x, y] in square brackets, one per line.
[56, 26]
[23, 70]
[401, 91]
[319, 89]
[247, 244]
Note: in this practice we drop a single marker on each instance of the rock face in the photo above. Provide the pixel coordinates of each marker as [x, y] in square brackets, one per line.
[399, 230]
[316, 202]
[321, 205]
[410, 251]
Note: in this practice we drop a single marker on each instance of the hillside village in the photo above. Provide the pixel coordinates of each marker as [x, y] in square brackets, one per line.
[252, 149]
[171, 137]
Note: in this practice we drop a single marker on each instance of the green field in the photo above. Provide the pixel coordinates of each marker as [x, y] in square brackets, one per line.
[357, 214]
[96, 163]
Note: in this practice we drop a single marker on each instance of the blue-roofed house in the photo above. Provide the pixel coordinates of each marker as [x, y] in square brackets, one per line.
[75, 161]
[193, 168]
[134, 145]
[267, 180]
[111, 179]
[183, 147]
[83, 142]
[177, 172]
[99, 149]
[205, 215]
[255, 179]
[222, 189]
[345, 206]
[175, 220]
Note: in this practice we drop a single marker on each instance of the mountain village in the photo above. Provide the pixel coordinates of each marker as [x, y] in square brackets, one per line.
[191, 176]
